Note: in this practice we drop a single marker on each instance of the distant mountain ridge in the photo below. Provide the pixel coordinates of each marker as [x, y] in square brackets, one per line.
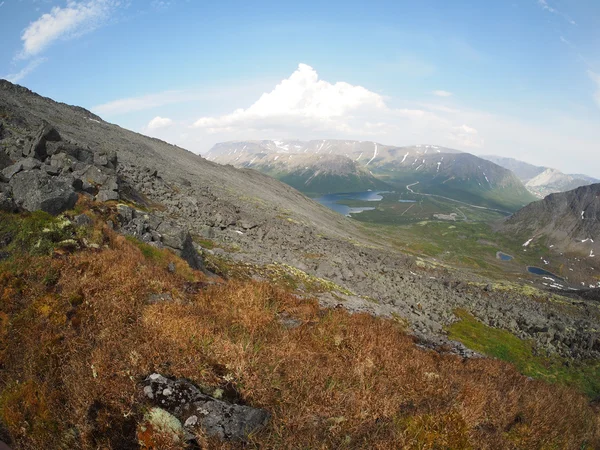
[435, 169]
[542, 181]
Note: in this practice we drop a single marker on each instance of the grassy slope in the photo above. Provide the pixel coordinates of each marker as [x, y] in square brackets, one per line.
[503, 345]
[76, 337]
[330, 184]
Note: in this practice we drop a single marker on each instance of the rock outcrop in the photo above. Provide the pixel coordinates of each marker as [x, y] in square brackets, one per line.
[153, 230]
[198, 411]
[46, 173]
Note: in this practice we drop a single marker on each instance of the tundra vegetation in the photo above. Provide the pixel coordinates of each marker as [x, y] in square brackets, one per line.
[78, 335]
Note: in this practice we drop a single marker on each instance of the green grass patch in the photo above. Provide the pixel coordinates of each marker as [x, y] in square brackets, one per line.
[150, 252]
[501, 344]
[37, 233]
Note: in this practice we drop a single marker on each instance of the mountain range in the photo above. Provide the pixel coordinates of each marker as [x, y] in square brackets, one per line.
[427, 169]
[542, 181]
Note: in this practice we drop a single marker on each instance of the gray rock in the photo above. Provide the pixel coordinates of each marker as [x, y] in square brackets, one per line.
[106, 195]
[36, 190]
[51, 170]
[62, 161]
[190, 255]
[172, 235]
[11, 171]
[82, 220]
[125, 213]
[75, 151]
[37, 149]
[198, 411]
[31, 163]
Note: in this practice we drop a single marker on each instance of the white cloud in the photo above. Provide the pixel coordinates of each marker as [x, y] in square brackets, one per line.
[301, 99]
[310, 108]
[159, 122]
[75, 19]
[442, 93]
[132, 104]
[33, 64]
[596, 79]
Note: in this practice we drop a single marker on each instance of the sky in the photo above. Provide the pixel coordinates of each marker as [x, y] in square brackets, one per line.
[512, 78]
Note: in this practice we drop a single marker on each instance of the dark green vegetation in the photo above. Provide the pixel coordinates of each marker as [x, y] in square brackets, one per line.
[313, 182]
[509, 196]
[403, 207]
[585, 375]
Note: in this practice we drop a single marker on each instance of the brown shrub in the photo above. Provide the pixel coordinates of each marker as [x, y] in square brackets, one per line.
[78, 337]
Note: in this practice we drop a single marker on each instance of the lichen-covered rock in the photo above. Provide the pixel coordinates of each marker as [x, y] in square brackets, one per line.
[160, 428]
[197, 411]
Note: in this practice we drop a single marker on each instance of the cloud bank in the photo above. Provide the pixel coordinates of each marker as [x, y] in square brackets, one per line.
[302, 99]
[306, 106]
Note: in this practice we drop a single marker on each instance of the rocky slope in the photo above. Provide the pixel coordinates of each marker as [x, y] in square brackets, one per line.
[437, 170]
[569, 220]
[258, 220]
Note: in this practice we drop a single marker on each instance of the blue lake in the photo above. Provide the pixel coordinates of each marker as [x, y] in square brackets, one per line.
[331, 201]
[407, 201]
[542, 273]
[504, 256]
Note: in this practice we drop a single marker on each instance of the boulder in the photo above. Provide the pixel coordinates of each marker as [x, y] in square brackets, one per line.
[189, 254]
[105, 195]
[36, 190]
[76, 151]
[172, 235]
[198, 411]
[37, 148]
[12, 170]
[31, 163]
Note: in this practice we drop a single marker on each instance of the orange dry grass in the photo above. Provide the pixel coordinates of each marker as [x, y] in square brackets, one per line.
[76, 347]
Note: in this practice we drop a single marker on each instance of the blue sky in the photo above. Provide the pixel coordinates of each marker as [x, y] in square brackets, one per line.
[518, 78]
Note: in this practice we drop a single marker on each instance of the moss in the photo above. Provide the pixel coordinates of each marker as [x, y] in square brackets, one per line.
[501, 344]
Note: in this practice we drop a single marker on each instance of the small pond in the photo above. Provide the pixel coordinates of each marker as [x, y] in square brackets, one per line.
[542, 273]
[503, 256]
[407, 201]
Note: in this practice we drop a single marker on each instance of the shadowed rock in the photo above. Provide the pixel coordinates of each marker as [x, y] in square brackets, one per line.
[37, 148]
[196, 410]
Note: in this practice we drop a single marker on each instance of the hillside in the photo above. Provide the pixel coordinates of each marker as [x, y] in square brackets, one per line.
[569, 220]
[438, 170]
[141, 283]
